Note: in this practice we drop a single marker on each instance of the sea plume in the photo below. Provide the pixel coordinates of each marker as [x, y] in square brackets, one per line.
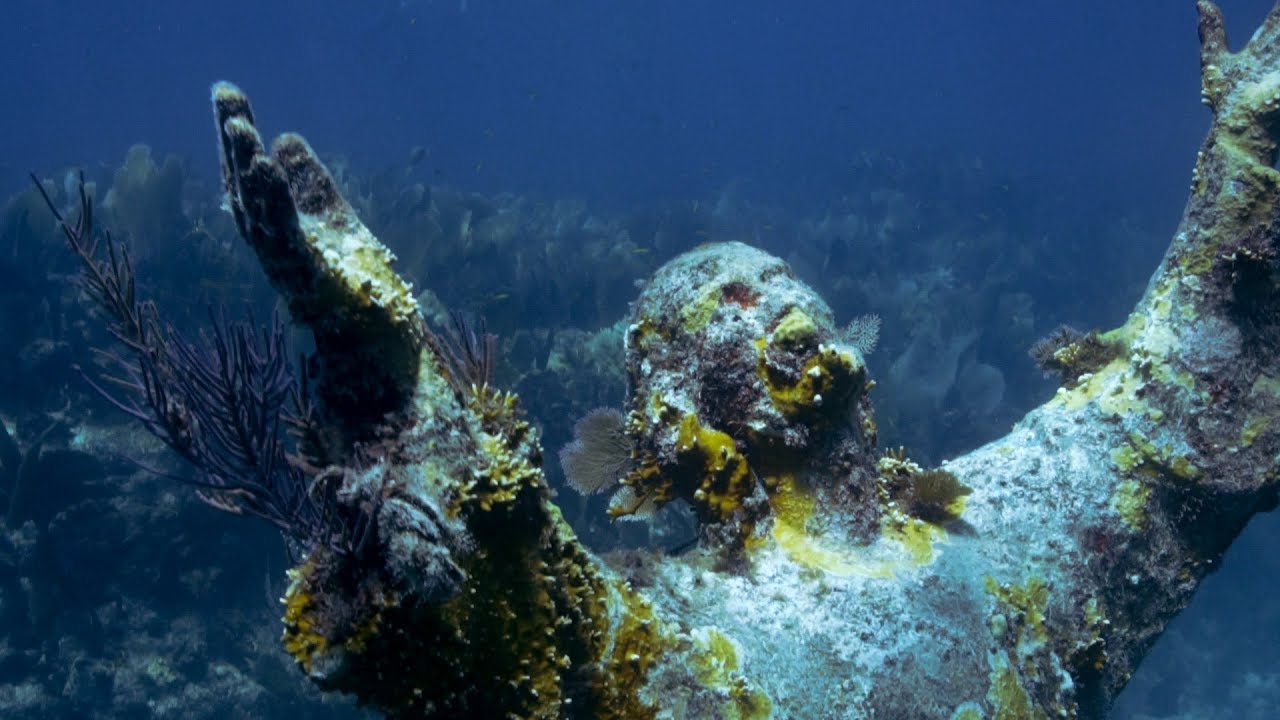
[224, 402]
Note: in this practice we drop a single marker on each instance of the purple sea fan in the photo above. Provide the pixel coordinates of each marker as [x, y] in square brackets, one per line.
[221, 403]
[600, 454]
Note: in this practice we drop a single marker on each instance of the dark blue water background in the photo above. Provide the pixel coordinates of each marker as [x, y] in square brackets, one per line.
[629, 99]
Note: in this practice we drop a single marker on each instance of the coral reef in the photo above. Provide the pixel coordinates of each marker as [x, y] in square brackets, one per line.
[114, 603]
[828, 579]
[119, 596]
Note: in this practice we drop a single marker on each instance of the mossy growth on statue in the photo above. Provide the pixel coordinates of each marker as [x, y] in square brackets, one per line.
[934, 496]
[1067, 353]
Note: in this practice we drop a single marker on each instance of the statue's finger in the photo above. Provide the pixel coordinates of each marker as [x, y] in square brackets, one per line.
[314, 190]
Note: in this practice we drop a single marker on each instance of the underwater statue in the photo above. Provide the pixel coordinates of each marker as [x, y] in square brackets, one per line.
[830, 579]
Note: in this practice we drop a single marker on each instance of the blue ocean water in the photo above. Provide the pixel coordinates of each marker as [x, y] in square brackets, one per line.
[634, 99]
[1049, 144]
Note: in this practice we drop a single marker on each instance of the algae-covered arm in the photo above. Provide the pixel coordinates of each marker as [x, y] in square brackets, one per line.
[1111, 502]
[335, 276]
[465, 594]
